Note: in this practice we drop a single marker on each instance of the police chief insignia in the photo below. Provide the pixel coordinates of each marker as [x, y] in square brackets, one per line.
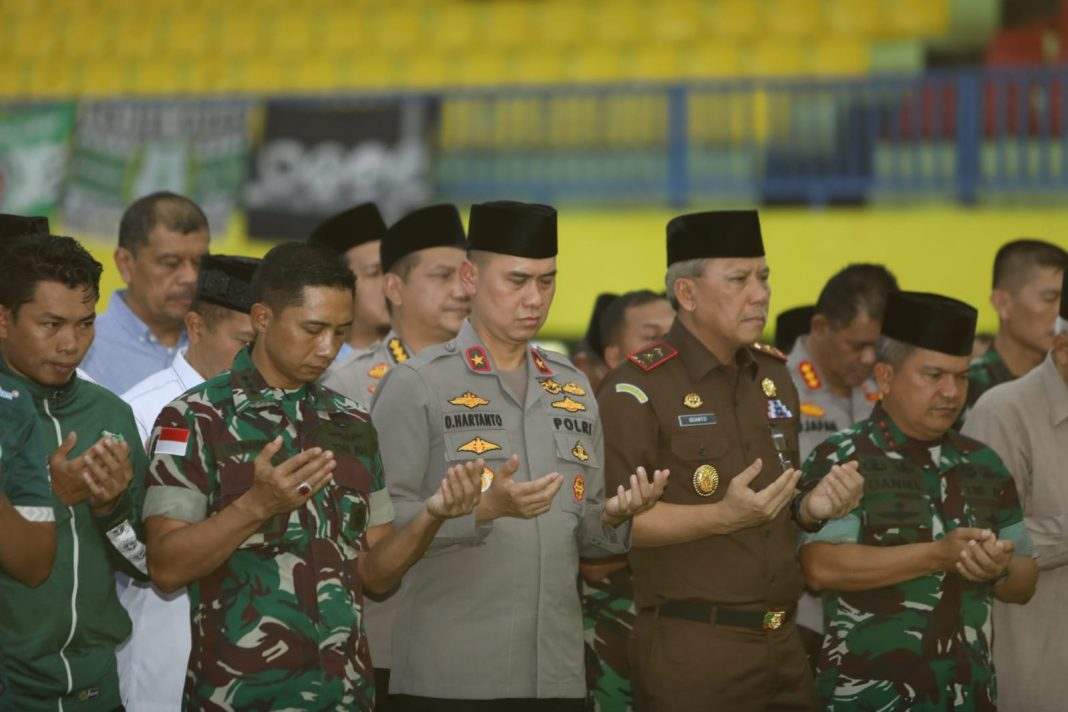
[469, 400]
[551, 387]
[378, 370]
[568, 404]
[580, 453]
[692, 400]
[705, 480]
[397, 350]
[478, 446]
[477, 359]
[768, 386]
[574, 389]
[578, 488]
[539, 362]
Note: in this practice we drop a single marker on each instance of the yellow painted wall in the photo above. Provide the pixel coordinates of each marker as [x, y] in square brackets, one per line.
[940, 249]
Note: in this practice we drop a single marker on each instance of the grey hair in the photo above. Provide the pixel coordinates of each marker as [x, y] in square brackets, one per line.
[685, 269]
[892, 351]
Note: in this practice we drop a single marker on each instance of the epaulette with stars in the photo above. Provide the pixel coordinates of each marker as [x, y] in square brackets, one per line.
[768, 351]
[653, 356]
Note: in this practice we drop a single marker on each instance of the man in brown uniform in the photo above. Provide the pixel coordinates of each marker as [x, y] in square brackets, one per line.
[715, 570]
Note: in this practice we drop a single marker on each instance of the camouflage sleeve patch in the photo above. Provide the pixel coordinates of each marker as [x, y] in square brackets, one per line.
[173, 469]
[175, 503]
[381, 508]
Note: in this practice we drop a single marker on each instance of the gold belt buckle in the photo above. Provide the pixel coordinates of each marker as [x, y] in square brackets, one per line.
[773, 620]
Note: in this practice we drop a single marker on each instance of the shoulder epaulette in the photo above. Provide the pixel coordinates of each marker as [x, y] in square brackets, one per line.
[768, 351]
[653, 356]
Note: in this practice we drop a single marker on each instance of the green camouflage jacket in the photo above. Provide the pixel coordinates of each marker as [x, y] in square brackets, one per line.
[923, 644]
[279, 625]
[984, 373]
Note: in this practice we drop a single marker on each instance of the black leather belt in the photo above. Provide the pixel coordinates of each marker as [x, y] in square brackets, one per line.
[705, 612]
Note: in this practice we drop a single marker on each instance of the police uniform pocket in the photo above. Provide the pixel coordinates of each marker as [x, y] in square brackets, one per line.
[574, 454]
[488, 444]
[575, 449]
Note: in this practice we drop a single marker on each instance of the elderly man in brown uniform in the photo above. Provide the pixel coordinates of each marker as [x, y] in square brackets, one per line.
[715, 570]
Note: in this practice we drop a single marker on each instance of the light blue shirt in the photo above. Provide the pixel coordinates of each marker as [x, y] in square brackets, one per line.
[124, 351]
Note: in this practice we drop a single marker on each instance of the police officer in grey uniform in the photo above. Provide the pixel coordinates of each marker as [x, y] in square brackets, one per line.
[831, 365]
[492, 614]
[423, 252]
[421, 257]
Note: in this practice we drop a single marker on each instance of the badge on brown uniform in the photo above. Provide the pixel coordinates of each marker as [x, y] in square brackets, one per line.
[551, 387]
[574, 389]
[478, 446]
[768, 386]
[705, 480]
[568, 404]
[469, 400]
[692, 400]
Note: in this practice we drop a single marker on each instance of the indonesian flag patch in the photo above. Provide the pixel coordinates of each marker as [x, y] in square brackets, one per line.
[172, 441]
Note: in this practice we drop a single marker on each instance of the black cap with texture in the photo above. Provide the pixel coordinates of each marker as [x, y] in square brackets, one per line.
[721, 233]
[512, 228]
[18, 225]
[432, 226]
[791, 324]
[350, 228]
[226, 281]
[930, 321]
[594, 335]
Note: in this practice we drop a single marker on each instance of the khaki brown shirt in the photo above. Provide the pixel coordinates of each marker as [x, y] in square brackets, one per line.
[676, 405]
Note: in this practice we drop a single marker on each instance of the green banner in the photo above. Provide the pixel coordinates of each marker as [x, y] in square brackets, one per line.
[34, 146]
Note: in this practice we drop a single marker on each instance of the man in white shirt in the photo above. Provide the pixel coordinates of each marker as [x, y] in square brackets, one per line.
[152, 662]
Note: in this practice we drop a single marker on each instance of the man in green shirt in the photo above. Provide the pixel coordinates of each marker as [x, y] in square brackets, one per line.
[57, 641]
[911, 573]
[266, 498]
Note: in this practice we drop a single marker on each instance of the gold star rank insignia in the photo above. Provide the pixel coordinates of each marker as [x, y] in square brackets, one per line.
[568, 404]
[397, 350]
[705, 480]
[580, 453]
[768, 386]
[378, 370]
[539, 362]
[692, 400]
[478, 446]
[574, 389]
[551, 387]
[469, 400]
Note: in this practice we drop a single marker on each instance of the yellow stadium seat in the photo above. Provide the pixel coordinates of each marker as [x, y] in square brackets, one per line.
[452, 27]
[424, 70]
[795, 19]
[841, 56]
[480, 69]
[343, 31]
[185, 35]
[634, 119]
[854, 17]
[564, 23]
[618, 22]
[535, 66]
[266, 75]
[773, 58]
[135, 38]
[735, 19]
[102, 78]
[11, 79]
[574, 121]
[396, 30]
[597, 65]
[85, 36]
[316, 74]
[34, 37]
[916, 18]
[675, 22]
[714, 60]
[155, 77]
[506, 23]
[657, 62]
[368, 70]
[293, 34]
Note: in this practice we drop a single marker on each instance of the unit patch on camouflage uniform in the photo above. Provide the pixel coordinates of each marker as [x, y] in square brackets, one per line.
[469, 400]
[568, 404]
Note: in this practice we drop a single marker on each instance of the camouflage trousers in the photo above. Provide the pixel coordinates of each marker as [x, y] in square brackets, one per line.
[608, 620]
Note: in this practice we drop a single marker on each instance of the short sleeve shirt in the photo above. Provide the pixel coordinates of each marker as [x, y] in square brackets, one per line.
[23, 460]
[923, 644]
[279, 624]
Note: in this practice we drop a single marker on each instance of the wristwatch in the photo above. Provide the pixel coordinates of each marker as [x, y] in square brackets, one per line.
[795, 509]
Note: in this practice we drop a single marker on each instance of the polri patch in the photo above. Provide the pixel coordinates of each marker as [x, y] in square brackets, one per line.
[691, 420]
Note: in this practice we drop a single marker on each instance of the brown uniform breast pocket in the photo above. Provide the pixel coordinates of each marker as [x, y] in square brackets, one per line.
[696, 473]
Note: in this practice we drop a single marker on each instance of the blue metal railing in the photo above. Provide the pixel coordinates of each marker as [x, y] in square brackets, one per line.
[965, 135]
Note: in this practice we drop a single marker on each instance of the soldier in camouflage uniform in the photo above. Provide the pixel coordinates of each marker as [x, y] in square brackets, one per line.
[266, 498]
[912, 572]
[1026, 295]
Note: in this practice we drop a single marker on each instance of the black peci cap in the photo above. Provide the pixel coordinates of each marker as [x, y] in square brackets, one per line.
[355, 226]
[930, 321]
[723, 233]
[594, 335]
[432, 226]
[791, 324]
[226, 281]
[512, 228]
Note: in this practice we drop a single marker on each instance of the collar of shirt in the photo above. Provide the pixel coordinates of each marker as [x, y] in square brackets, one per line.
[890, 437]
[119, 311]
[187, 376]
[250, 389]
[698, 360]
[1056, 391]
[56, 395]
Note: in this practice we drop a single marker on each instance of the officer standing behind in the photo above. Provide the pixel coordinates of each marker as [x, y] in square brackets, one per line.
[355, 235]
[1026, 423]
[492, 613]
[421, 256]
[715, 574]
[791, 325]
[912, 572]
